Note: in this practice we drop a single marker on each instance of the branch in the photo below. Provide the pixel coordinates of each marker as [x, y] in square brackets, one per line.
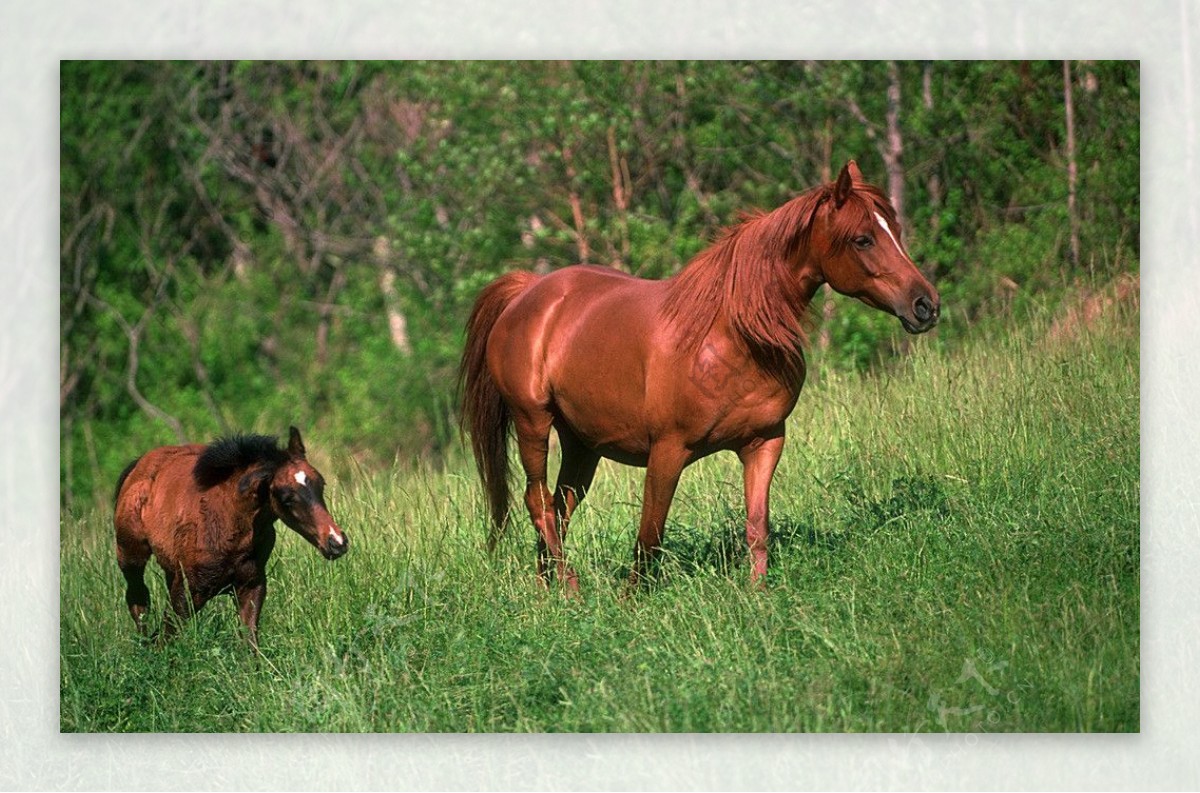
[134, 334]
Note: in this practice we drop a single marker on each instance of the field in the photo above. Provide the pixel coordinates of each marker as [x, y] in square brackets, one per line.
[955, 547]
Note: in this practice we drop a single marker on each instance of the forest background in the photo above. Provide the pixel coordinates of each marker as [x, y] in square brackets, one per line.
[247, 245]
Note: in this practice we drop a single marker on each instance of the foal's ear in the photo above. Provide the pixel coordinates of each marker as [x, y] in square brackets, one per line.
[295, 445]
[845, 183]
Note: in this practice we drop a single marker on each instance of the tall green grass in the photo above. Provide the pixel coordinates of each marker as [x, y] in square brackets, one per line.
[954, 547]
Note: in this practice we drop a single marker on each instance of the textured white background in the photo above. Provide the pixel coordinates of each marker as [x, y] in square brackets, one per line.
[35, 36]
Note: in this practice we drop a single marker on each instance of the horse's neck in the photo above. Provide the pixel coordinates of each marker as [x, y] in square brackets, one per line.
[808, 280]
[745, 284]
[262, 523]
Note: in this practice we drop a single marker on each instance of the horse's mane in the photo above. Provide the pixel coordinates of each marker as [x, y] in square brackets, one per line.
[224, 457]
[749, 276]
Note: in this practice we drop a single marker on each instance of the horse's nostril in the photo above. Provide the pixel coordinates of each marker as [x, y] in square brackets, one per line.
[923, 309]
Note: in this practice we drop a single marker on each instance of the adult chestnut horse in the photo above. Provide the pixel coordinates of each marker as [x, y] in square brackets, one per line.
[662, 373]
[208, 513]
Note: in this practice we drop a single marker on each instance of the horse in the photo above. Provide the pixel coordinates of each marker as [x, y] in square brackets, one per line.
[207, 513]
[660, 374]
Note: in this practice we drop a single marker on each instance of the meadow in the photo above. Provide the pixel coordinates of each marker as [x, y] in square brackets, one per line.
[955, 547]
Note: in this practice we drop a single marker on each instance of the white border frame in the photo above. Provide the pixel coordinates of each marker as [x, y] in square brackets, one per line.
[1159, 33]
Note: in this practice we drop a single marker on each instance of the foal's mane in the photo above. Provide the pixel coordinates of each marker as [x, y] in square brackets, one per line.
[224, 457]
[749, 276]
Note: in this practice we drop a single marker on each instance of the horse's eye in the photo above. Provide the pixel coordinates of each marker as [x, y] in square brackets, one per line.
[863, 242]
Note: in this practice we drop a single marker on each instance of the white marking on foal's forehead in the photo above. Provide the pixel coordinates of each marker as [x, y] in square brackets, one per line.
[301, 478]
[883, 224]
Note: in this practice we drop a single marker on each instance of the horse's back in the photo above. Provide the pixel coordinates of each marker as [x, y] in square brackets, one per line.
[576, 289]
[154, 491]
[578, 343]
[580, 308]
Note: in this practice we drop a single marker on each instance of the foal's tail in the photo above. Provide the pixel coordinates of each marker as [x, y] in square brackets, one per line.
[484, 412]
[121, 479]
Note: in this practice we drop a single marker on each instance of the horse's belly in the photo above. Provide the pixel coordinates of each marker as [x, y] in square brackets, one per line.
[597, 369]
[622, 412]
[614, 433]
[604, 405]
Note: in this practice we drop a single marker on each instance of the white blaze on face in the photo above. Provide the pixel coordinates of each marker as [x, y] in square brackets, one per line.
[301, 479]
[883, 225]
[335, 535]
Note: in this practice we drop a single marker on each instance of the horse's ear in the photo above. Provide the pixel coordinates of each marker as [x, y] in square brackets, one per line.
[295, 445]
[845, 183]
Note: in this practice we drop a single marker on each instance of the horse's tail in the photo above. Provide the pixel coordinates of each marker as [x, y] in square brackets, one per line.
[121, 480]
[483, 410]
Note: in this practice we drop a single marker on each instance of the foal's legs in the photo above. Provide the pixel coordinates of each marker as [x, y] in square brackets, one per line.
[184, 601]
[759, 459]
[177, 595]
[663, 468]
[132, 558]
[250, 600]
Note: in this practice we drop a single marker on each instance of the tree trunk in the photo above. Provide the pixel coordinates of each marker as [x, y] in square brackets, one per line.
[827, 305]
[892, 151]
[325, 315]
[895, 145]
[934, 183]
[541, 265]
[397, 322]
[891, 147]
[620, 192]
[1072, 172]
[576, 205]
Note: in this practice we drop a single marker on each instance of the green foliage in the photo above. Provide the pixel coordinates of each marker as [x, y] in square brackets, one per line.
[228, 228]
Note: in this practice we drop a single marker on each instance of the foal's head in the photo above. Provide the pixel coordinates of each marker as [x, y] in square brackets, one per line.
[296, 494]
[273, 483]
[856, 238]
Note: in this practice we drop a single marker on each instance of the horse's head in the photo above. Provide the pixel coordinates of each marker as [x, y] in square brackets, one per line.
[297, 497]
[856, 238]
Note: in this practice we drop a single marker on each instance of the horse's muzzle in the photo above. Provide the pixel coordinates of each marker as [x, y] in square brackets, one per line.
[336, 545]
[925, 313]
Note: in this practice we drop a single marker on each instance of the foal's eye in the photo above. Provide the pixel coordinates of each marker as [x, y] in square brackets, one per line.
[863, 242]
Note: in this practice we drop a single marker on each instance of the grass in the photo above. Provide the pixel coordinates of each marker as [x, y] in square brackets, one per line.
[954, 548]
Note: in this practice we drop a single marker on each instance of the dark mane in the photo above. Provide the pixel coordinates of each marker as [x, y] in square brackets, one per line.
[748, 276]
[224, 457]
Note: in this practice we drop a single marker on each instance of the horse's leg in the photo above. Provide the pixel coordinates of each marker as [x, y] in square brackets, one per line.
[132, 559]
[662, 475]
[574, 478]
[759, 459]
[250, 600]
[533, 444]
[170, 622]
[184, 602]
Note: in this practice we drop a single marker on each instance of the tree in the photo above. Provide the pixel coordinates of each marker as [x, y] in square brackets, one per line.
[1072, 170]
[251, 244]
